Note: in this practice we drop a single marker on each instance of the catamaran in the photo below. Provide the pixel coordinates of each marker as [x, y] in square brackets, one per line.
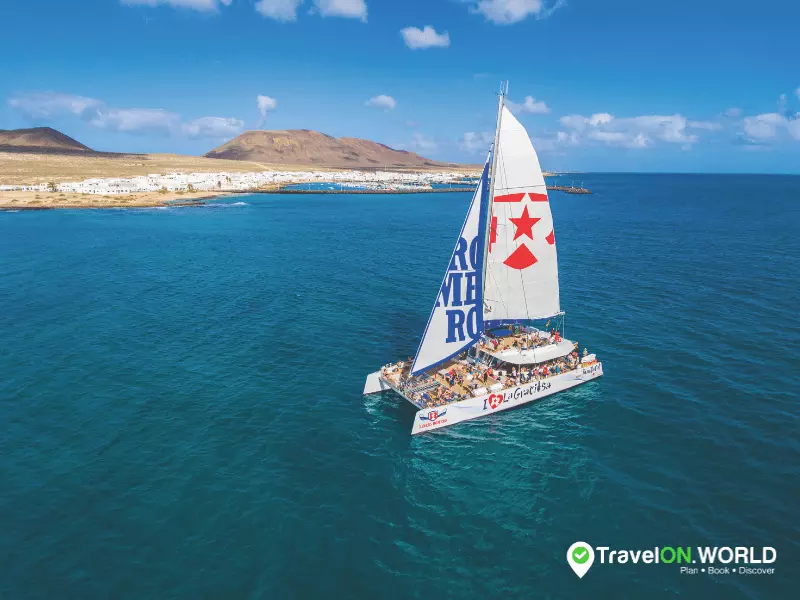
[494, 339]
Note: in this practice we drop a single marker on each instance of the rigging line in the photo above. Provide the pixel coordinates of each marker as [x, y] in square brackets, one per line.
[508, 241]
[525, 296]
[492, 184]
[521, 276]
[507, 211]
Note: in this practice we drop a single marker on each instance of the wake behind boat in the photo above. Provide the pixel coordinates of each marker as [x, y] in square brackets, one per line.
[494, 339]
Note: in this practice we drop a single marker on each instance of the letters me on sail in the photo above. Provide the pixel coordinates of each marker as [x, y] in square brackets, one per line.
[460, 291]
[456, 321]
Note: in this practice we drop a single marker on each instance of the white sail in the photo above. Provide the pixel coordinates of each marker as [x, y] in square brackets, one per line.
[456, 321]
[521, 267]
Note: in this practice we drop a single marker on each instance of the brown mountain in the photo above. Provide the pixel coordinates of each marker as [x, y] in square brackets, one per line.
[301, 147]
[39, 139]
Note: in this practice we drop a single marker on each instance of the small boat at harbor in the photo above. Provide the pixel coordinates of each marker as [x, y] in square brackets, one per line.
[495, 337]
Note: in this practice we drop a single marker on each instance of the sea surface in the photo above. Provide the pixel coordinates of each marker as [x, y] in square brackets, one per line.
[181, 412]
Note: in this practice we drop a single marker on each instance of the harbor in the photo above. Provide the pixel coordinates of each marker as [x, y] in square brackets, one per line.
[342, 189]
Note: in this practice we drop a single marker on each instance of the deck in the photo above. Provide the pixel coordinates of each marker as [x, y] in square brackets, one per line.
[496, 370]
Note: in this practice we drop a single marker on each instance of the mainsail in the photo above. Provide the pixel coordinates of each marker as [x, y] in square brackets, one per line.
[456, 321]
[508, 273]
[521, 280]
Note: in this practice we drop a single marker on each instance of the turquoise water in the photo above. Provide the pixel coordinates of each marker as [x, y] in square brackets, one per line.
[180, 397]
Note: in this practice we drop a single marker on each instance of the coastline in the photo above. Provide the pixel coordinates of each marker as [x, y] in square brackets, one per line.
[54, 200]
[19, 200]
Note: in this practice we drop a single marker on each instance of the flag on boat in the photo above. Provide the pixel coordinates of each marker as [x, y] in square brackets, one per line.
[456, 321]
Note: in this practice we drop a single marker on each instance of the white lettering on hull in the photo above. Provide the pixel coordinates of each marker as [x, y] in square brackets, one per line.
[429, 419]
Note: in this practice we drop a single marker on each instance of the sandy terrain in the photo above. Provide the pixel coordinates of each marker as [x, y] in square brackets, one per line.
[32, 200]
[31, 168]
[312, 148]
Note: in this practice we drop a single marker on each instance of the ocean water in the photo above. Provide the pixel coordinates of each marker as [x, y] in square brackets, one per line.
[181, 409]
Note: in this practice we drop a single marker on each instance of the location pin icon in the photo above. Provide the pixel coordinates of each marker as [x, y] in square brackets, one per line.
[580, 557]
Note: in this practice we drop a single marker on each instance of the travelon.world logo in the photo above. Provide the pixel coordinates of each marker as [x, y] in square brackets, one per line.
[718, 560]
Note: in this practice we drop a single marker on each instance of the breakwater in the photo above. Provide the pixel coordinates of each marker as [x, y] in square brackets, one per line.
[569, 189]
[378, 191]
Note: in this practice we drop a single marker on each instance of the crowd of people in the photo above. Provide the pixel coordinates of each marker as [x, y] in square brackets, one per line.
[522, 338]
[467, 378]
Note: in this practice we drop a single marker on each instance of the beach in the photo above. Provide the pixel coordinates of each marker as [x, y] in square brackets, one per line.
[48, 200]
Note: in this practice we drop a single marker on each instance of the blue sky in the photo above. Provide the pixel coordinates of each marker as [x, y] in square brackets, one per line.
[601, 85]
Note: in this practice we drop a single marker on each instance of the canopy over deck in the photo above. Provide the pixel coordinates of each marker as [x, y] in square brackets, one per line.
[540, 354]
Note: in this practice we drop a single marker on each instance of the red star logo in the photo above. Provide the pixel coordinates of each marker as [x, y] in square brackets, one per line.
[524, 224]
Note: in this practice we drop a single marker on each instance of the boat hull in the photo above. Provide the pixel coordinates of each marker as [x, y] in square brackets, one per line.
[429, 419]
[374, 384]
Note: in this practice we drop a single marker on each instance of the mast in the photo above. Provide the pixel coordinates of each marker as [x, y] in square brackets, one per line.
[501, 103]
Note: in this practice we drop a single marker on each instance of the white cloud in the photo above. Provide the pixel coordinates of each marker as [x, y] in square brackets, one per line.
[760, 129]
[632, 132]
[707, 125]
[265, 104]
[666, 128]
[506, 12]
[201, 5]
[529, 106]
[600, 119]
[579, 122]
[476, 142]
[767, 126]
[567, 139]
[423, 143]
[213, 127]
[733, 113]
[280, 10]
[387, 103]
[793, 127]
[427, 37]
[49, 106]
[616, 138]
[350, 9]
[137, 120]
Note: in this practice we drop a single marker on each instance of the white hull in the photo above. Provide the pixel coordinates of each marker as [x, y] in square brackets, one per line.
[429, 419]
[374, 384]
